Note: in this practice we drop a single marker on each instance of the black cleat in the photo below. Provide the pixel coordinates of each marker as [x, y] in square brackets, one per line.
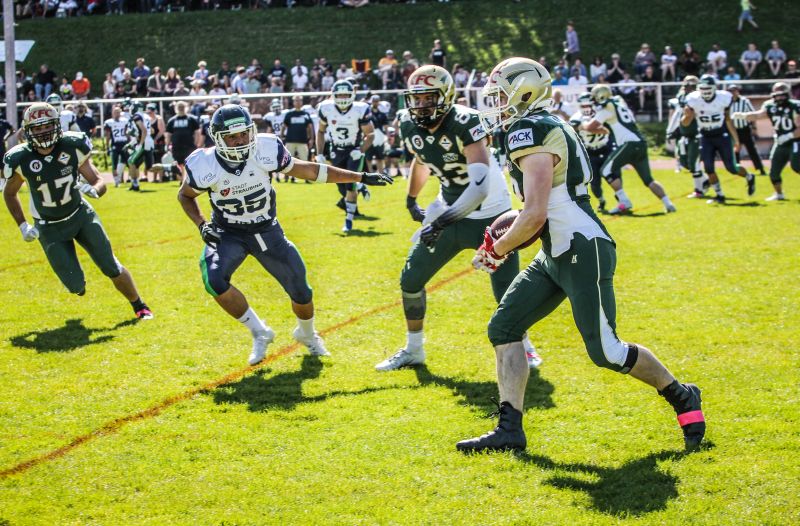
[508, 435]
[693, 422]
[717, 199]
[340, 204]
[751, 184]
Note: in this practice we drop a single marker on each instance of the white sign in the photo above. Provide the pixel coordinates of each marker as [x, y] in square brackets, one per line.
[21, 50]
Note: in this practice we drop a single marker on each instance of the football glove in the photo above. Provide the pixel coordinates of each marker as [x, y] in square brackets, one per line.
[210, 234]
[486, 258]
[356, 154]
[430, 234]
[321, 159]
[29, 232]
[737, 115]
[784, 138]
[417, 213]
[89, 190]
[376, 179]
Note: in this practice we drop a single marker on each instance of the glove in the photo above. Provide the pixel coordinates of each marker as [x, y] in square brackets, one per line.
[29, 232]
[321, 159]
[356, 154]
[89, 190]
[430, 234]
[784, 138]
[737, 115]
[417, 213]
[486, 258]
[209, 234]
[376, 179]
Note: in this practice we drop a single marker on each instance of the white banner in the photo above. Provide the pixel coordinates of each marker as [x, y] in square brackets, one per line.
[569, 98]
[21, 50]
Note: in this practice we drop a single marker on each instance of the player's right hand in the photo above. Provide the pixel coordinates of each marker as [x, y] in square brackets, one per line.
[321, 159]
[417, 213]
[376, 179]
[737, 115]
[486, 258]
[29, 232]
[209, 234]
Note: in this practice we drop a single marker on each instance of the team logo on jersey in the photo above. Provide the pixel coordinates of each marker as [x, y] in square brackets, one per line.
[224, 192]
[333, 122]
[226, 182]
[450, 157]
[520, 138]
[417, 142]
[48, 158]
[445, 143]
[430, 139]
[63, 158]
[36, 165]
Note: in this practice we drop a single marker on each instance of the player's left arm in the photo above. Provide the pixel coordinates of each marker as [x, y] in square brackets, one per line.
[477, 155]
[368, 131]
[323, 173]
[13, 184]
[731, 128]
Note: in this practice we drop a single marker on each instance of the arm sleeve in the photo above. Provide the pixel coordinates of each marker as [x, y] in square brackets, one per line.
[472, 196]
[285, 159]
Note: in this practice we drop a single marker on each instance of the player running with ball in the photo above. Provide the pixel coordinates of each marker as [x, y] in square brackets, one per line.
[576, 262]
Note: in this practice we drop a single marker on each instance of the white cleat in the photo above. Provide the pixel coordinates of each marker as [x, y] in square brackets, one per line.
[260, 344]
[620, 209]
[315, 345]
[402, 358]
[534, 360]
[776, 197]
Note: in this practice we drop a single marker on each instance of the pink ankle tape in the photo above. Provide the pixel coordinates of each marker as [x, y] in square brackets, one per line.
[692, 417]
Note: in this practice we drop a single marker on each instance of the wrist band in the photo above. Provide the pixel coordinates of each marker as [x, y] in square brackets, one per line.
[322, 174]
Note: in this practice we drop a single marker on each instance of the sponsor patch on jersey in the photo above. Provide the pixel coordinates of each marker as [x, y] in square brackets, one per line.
[445, 143]
[417, 142]
[477, 132]
[49, 158]
[207, 178]
[224, 192]
[64, 158]
[36, 166]
[430, 139]
[450, 157]
[520, 138]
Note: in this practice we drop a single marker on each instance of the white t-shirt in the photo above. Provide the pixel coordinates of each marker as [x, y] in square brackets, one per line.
[580, 81]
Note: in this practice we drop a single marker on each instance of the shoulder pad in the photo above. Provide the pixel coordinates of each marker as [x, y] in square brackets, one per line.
[576, 118]
[12, 158]
[268, 149]
[202, 164]
[77, 139]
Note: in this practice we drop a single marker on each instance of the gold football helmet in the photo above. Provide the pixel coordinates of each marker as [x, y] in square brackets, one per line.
[517, 86]
[601, 93]
[425, 81]
[41, 125]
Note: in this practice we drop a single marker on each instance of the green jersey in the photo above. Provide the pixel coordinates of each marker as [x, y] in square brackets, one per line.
[616, 115]
[52, 178]
[783, 117]
[568, 209]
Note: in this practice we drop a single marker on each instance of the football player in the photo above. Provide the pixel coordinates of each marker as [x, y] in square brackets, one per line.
[631, 145]
[237, 174]
[51, 162]
[274, 120]
[351, 134]
[709, 107]
[116, 141]
[576, 261]
[784, 112]
[137, 132]
[687, 143]
[446, 140]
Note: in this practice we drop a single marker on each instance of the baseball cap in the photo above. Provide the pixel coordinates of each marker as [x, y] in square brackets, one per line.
[389, 52]
[78, 76]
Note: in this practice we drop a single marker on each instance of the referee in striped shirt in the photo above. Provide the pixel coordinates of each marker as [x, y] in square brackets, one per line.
[744, 128]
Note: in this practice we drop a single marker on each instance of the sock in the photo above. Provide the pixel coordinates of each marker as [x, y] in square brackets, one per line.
[414, 340]
[678, 396]
[138, 305]
[623, 198]
[306, 326]
[253, 322]
[699, 182]
[666, 201]
[351, 210]
[717, 188]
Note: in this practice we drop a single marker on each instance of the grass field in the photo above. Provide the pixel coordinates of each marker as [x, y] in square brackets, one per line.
[105, 421]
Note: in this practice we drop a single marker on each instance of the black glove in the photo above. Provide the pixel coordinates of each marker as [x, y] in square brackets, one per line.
[417, 213]
[209, 234]
[431, 234]
[376, 179]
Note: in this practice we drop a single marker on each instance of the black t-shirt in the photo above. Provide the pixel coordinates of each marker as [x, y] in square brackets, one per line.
[86, 124]
[379, 119]
[182, 129]
[48, 77]
[279, 71]
[437, 57]
[296, 122]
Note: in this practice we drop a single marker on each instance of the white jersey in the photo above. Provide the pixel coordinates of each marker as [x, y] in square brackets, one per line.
[710, 115]
[344, 128]
[616, 115]
[592, 141]
[68, 120]
[133, 130]
[117, 128]
[275, 120]
[242, 197]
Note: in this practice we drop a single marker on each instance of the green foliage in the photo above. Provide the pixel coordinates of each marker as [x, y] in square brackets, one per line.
[176, 432]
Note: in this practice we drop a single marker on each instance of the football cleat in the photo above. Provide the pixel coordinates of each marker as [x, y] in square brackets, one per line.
[144, 314]
[315, 345]
[133, 188]
[348, 226]
[401, 358]
[751, 183]
[260, 343]
[776, 197]
[670, 208]
[620, 209]
[534, 360]
[693, 422]
[601, 205]
[717, 199]
[364, 191]
[696, 195]
[508, 435]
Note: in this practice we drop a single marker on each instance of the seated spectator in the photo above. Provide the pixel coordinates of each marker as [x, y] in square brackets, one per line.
[198, 106]
[616, 69]
[180, 89]
[300, 76]
[278, 71]
[315, 80]
[409, 65]
[67, 7]
[327, 80]
[44, 82]
[577, 80]
[155, 83]
[627, 89]
[224, 75]
[262, 78]
[579, 67]
[217, 90]
[543, 61]
[385, 66]
[775, 59]
[557, 106]
[731, 75]
[276, 86]
[558, 79]
[109, 87]
[343, 72]
[93, 5]
[237, 82]
[353, 3]
[395, 78]
[81, 86]
[717, 58]
[140, 74]
[65, 89]
[201, 73]
[562, 67]
[171, 83]
[750, 59]
[251, 84]
[119, 91]
[460, 76]
[793, 73]
[118, 74]
[597, 68]
[689, 61]
[128, 85]
[668, 61]
[644, 57]
[647, 94]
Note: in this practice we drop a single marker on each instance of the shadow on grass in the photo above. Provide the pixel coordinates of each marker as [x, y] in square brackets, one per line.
[282, 391]
[73, 335]
[538, 393]
[363, 233]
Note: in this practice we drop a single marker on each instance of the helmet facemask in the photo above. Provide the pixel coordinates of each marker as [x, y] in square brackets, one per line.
[707, 91]
[501, 113]
[235, 153]
[780, 94]
[43, 135]
[426, 106]
[343, 99]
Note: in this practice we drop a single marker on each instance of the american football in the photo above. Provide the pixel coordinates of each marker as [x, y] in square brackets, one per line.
[501, 225]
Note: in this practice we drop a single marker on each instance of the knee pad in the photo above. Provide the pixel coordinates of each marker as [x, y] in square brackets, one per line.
[113, 270]
[414, 305]
[215, 282]
[615, 355]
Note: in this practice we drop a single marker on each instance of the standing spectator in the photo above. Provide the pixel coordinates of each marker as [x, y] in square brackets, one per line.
[237, 83]
[45, 82]
[751, 58]
[298, 130]
[775, 59]
[140, 74]
[668, 61]
[343, 72]
[460, 76]
[572, 46]
[83, 120]
[224, 75]
[746, 15]
[577, 80]
[644, 57]
[409, 65]
[171, 82]
[744, 128]
[182, 134]
[119, 72]
[558, 79]
[81, 86]
[109, 87]
[717, 58]
[278, 72]
[385, 66]
[201, 73]
[731, 75]
[156, 83]
[156, 131]
[598, 68]
[616, 69]
[438, 56]
[299, 76]
[689, 60]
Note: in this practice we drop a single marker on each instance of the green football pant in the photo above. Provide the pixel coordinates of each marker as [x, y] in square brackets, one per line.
[136, 156]
[689, 153]
[58, 241]
[585, 275]
[782, 155]
[466, 234]
[633, 153]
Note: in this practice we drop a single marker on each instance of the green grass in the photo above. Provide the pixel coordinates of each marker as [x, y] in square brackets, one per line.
[478, 33]
[330, 441]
